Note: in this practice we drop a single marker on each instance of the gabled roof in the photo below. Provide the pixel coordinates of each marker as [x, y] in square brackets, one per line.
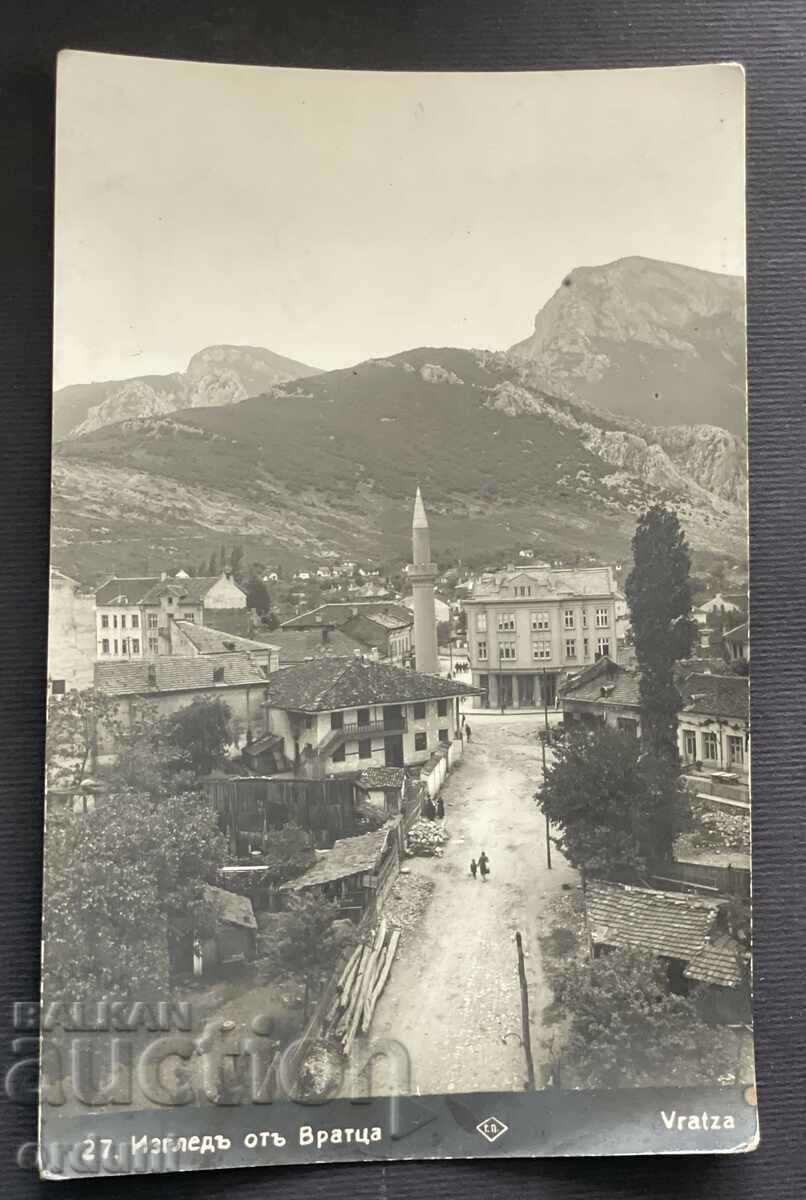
[348, 856]
[339, 612]
[300, 645]
[621, 687]
[175, 673]
[133, 589]
[716, 696]
[190, 591]
[230, 907]
[338, 683]
[548, 583]
[218, 641]
[668, 924]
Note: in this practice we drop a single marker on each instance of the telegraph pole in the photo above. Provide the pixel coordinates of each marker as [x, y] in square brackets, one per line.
[526, 1035]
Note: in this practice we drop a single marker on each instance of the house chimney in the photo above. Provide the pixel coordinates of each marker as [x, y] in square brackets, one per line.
[163, 576]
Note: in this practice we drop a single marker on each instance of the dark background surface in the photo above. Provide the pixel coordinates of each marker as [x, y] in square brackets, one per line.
[770, 39]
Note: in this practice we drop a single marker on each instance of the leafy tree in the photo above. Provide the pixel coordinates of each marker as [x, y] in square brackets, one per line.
[257, 596]
[212, 566]
[306, 943]
[627, 1030]
[197, 737]
[236, 559]
[120, 881]
[75, 724]
[617, 809]
[288, 853]
[659, 596]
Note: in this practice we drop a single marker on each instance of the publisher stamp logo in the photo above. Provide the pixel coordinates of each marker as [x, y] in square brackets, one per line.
[491, 1128]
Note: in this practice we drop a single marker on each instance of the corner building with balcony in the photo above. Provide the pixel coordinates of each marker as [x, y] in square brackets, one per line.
[528, 629]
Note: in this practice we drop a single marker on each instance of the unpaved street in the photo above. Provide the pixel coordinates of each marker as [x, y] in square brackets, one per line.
[453, 998]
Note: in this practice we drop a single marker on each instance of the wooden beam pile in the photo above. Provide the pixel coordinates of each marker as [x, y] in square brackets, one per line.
[360, 986]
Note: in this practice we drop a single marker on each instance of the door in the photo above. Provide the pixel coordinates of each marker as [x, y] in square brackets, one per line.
[393, 751]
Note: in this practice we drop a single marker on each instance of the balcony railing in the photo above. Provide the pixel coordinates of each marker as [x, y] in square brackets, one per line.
[353, 729]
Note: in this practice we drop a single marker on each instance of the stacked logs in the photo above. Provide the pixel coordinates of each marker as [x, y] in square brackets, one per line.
[360, 985]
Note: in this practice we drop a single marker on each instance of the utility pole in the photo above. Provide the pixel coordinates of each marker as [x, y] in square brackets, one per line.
[543, 741]
[526, 1035]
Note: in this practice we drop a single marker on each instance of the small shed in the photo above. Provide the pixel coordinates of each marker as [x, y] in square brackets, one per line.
[233, 941]
[357, 872]
[383, 788]
[686, 932]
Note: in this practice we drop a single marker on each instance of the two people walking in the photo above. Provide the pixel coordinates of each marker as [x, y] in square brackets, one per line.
[482, 867]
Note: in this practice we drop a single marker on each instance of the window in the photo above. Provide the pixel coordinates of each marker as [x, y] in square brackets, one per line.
[116, 645]
[603, 647]
[152, 620]
[570, 648]
[57, 687]
[602, 618]
[584, 618]
[189, 616]
[523, 590]
[135, 645]
[105, 646]
[481, 622]
[218, 674]
[105, 621]
[363, 716]
[124, 646]
[442, 708]
[123, 621]
[506, 622]
[586, 647]
[419, 712]
[690, 744]
[541, 651]
[135, 621]
[735, 751]
[628, 725]
[170, 599]
[308, 722]
[365, 748]
[114, 620]
[153, 645]
[339, 753]
[337, 720]
[507, 649]
[481, 650]
[710, 749]
[444, 736]
[421, 741]
[540, 620]
[568, 618]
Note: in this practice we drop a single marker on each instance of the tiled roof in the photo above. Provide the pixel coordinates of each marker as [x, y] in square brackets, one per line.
[230, 906]
[390, 620]
[175, 673]
[267, 741]
[218, 641]
[348, 856]
[381, 777]
[622, 685]
[667, 923]
[719, 962]
[133, 589]
[190, 591]
[340, 612]
[546, 583]
[716, 696]
[352, 683]
[299, 645]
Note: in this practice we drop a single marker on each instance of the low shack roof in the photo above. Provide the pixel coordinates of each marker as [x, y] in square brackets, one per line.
[230, 907]
[719, 962]
[669, 924]
[348, 856]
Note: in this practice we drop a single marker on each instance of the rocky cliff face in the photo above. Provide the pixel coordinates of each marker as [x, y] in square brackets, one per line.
[653, 340]
[217, 375]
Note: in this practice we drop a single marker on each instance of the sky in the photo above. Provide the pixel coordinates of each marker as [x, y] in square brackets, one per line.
[334, 216]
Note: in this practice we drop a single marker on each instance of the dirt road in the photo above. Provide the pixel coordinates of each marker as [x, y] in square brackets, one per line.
[453, 998]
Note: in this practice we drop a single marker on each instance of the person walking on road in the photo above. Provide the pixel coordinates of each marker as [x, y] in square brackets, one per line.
[484, 866]
[474, 866]
[467, 731]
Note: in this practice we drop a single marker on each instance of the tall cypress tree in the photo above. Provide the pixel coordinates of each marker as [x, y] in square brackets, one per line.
[658, 592]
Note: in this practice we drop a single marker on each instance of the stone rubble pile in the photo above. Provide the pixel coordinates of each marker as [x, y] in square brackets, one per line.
[426, 838]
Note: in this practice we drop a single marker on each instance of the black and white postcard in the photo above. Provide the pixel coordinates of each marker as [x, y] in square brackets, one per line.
[398, 749]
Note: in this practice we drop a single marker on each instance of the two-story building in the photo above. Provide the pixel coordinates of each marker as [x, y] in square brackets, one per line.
[338, 715]
[528, 628]
[132, 615]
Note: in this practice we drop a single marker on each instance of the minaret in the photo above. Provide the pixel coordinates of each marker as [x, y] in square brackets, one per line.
[422, 574]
